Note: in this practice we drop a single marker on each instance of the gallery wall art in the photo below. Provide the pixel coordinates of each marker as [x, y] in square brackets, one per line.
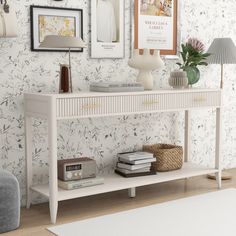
[54, 21]
[155, 25]
[107, 29]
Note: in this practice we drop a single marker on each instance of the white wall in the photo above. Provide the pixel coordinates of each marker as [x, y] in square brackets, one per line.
[22, 70]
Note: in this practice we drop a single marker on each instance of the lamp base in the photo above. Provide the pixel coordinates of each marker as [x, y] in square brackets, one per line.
[224, 176]
[65, 81]
[146, 79]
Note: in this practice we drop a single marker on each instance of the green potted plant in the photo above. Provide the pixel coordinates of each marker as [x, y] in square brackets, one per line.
[193, 55]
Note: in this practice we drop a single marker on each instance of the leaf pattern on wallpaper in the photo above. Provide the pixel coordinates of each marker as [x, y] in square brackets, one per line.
[101, 138]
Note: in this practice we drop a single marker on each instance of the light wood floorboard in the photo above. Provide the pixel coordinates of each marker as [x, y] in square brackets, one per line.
[35, 221]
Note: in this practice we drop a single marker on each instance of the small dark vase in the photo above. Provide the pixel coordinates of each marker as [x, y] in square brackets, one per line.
[65, 83]
[193, 74]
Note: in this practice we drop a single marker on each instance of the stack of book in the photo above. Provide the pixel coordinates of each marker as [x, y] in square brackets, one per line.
[82, 183]
[134, 164]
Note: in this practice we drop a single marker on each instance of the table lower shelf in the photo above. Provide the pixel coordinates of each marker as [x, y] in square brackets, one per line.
[115, 182]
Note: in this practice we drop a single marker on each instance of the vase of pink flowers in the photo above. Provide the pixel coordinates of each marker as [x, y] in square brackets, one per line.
[193, 55]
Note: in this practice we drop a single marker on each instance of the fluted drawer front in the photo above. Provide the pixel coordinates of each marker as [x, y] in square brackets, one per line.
[170, 101]
[83, 107]
[141, 103]
[126, 104]
[197, 99]
[189, 100]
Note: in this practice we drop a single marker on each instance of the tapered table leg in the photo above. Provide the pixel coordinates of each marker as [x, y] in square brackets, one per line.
[28, 153]
[132, 192]
[53, 182]
[218, 146]
[187, 134]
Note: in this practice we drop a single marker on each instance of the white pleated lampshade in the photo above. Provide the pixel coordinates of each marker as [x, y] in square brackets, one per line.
[55, 41]
[223, 51]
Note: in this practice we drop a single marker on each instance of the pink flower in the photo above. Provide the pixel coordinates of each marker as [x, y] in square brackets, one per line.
[196, 44]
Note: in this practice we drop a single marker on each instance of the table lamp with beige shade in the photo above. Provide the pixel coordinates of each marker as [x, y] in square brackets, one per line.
[223, 51]
[55, 41]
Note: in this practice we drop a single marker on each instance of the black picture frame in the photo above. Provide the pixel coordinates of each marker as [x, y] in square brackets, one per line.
[33, 27]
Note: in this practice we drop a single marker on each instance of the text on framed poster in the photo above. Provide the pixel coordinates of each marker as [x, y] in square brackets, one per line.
[155, 25]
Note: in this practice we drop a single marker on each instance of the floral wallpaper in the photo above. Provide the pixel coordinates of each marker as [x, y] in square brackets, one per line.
[24, 71]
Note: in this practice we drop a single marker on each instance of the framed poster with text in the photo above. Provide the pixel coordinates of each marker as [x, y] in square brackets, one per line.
[155, 25]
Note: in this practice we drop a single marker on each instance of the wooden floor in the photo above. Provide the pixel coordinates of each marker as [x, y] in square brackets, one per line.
[35, 221]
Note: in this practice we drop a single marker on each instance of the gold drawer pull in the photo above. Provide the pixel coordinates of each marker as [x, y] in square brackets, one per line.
[90, 106]
[199, 99]
[150, 102]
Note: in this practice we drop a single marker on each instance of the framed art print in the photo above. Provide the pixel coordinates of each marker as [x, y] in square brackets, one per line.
[54, 21]
[107, 28]
[155, 25]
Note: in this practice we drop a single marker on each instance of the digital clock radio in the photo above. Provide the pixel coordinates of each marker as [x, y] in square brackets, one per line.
[76, 169]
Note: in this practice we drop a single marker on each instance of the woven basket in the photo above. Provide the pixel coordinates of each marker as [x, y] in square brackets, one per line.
[169, 157]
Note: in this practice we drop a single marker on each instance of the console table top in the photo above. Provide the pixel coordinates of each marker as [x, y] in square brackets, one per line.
[99, 94]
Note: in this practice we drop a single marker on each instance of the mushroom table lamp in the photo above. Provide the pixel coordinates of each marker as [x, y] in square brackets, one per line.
[145, 64]
[55, 41]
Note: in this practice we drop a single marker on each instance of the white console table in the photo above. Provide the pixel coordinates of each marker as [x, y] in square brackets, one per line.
[57, 107]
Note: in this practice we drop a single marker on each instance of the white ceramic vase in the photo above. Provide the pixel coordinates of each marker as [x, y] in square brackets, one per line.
[145, 64]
